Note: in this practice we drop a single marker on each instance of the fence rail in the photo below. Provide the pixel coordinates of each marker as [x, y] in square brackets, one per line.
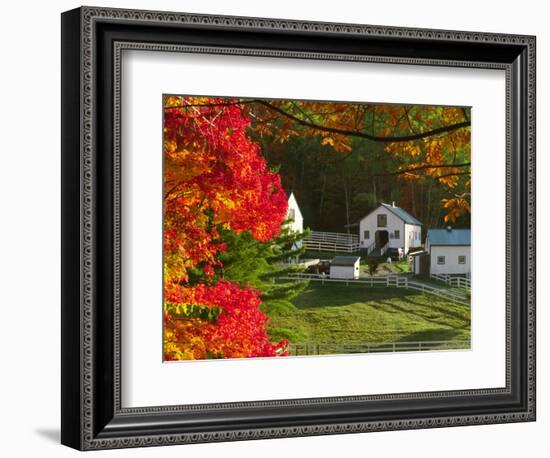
[453, 280]
[332, 242]
[397, 281]
[316, 348]
[335, 236]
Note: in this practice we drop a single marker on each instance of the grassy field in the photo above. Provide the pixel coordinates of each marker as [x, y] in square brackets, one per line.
[396, 267]
[359, 314]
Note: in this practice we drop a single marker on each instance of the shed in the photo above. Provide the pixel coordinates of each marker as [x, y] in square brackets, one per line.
[345, 267]
[449, 251]
[419, 262]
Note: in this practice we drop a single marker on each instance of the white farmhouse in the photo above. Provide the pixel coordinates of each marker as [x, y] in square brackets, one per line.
[389, 227]
[345, 267]
[449, 251]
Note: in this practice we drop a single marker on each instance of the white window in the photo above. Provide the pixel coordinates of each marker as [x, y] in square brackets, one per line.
[396, 234]
[382, 220]
[462, 259]
[366, 234]
[441, 260]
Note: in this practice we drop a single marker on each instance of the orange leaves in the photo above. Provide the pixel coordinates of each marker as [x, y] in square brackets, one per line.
[214, 178]
[456, 207]
[338, 142]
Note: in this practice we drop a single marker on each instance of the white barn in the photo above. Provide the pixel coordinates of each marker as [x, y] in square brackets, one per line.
[389, 226]
[450, 251]
[345, 267]
[294, 215]
[295, 222]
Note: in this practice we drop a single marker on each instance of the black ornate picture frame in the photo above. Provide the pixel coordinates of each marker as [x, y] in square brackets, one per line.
[92, 42]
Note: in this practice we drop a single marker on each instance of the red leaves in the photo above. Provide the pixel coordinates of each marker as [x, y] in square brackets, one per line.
[239, 331]
[215, 177]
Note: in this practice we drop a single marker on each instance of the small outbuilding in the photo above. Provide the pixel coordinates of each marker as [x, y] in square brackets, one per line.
[419, 262]
[345, 267]
[449, 251]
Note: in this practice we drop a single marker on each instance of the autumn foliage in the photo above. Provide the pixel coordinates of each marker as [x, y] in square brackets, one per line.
[238, 331]
[431, 142]
[215, 179]
[219, 194]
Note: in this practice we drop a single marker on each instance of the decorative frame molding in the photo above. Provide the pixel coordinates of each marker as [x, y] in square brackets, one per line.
[93, 39]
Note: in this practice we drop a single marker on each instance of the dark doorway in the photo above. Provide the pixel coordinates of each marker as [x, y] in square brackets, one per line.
[381, 238]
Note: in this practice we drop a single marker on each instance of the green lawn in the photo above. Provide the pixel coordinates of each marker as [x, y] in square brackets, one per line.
[396, 267]
[334, 313]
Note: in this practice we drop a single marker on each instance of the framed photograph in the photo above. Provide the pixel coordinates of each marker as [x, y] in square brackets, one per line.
[276, 228]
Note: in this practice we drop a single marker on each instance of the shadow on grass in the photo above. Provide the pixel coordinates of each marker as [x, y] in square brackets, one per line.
[442, 309]
[402, 309]
[434, 334]
[331, 295]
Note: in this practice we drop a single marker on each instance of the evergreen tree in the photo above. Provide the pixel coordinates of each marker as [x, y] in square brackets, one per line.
[260, 265]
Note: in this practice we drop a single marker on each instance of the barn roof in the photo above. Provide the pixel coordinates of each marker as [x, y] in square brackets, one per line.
[397, 211]
[449, 236]
[404, 215]
[344, 261]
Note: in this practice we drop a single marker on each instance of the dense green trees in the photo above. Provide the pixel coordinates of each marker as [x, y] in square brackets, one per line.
[337, 179]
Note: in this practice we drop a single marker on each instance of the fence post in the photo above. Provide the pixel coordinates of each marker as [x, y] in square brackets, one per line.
[394, 347]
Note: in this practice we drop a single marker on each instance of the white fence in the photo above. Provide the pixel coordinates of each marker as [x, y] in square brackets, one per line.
[332, 242]
[314, 348]
[453, 280]
[395, 281]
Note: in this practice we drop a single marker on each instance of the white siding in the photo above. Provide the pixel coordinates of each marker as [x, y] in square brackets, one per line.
[451, 254]
[415, 267]
[370, 223]
[297, 225]
[345, 272]
[412, 237]
[406, 239]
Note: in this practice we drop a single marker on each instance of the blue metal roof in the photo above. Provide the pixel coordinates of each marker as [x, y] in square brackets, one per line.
[449, 236]
[404, 215]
